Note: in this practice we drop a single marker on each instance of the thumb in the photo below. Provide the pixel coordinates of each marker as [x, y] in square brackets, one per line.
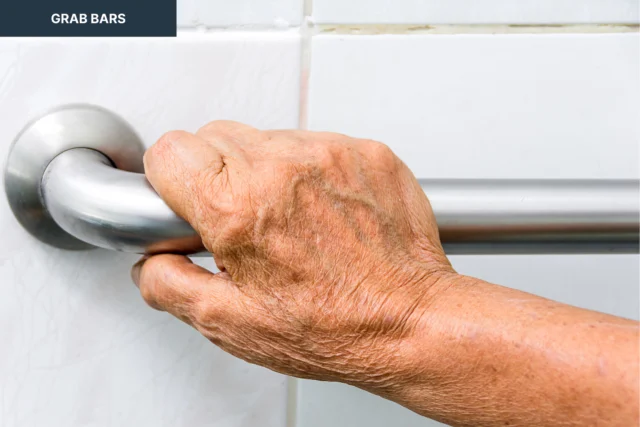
[172, 283]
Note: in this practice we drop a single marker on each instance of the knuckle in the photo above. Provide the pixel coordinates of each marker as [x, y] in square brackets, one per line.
[380, 154]
[213, 126]
[164, 145]
[170, 138]
[205, 312]
[379, 150]
[330, 136]
[222, 127]
[279, 140]
[281, 134]
[324, 155]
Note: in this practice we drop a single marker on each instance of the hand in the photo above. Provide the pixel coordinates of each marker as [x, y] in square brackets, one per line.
[332, 269]
[327, 246]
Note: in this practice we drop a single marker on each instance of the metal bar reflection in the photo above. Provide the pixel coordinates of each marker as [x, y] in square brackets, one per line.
[118, 210]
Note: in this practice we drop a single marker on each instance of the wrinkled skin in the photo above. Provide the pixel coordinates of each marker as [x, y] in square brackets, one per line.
[328, 248]
[332, 269]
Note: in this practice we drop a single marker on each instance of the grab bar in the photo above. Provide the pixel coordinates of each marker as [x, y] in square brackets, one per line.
[84, 201]
[112, 209]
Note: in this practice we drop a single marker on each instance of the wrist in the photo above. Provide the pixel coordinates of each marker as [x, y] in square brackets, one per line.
[424, 361]
[409, 361]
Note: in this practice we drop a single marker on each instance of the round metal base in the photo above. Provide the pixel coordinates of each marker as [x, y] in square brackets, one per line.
[72, 126]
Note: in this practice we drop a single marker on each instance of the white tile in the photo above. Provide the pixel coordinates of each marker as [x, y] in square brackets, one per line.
[486, 106]
[475, 12]
[79, 346]
[606, 283]
[225, 13]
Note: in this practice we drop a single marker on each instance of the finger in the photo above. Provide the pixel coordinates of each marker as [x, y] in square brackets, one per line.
[172, 283]
[223, 133]
[175, 167]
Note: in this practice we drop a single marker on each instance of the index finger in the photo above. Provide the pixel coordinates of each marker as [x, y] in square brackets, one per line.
[175, 167]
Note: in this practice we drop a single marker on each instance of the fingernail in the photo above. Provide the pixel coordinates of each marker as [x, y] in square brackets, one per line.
[135, 270]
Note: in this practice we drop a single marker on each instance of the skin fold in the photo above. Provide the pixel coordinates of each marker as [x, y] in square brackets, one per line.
[332, 269]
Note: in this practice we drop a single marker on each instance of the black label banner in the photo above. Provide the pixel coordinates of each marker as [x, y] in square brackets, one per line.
[87, 18]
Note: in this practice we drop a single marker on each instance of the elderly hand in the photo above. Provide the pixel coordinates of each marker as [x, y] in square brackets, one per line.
[332, 269]
[327, 246]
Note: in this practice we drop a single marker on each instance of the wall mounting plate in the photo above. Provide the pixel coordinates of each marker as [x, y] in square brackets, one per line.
[40, 141]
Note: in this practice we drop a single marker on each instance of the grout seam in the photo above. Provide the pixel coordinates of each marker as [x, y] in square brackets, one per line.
[291, 419]
[453, 29]
[309, 28]
[306, 34]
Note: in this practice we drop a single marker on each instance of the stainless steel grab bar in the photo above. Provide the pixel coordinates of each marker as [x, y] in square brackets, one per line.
[98, 204]
[70, 195]
[109, 208]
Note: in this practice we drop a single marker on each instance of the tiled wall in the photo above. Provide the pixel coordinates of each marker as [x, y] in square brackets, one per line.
[499, 88]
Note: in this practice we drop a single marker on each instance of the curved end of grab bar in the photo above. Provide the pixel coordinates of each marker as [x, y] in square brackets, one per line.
[110, 208]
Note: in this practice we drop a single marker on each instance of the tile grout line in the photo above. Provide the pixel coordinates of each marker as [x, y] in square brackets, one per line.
[306, 34]
[309, 28]
[291, 418]
[453, 29]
